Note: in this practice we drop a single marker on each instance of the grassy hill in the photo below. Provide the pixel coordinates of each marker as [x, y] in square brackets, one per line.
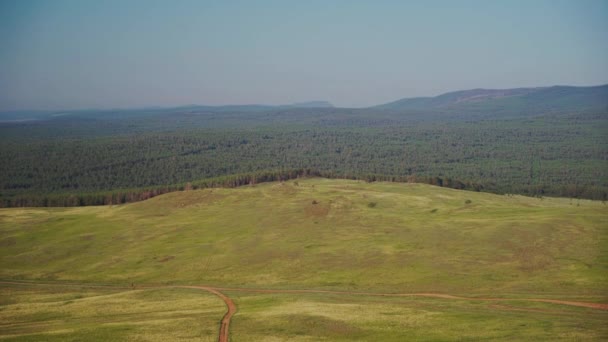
[332, 235]
[380, 236]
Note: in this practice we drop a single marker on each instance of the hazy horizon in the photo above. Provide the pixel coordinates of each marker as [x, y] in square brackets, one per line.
[152, 106]
[64, 55]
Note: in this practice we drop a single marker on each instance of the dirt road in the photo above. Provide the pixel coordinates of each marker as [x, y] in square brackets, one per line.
[225, 322]
[600, 306]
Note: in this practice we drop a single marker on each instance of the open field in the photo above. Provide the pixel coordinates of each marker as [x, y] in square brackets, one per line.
[59, 313]
[319, 234]
[37, 311]
[361, 318]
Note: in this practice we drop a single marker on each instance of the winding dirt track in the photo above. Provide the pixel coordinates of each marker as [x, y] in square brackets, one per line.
[225, 322]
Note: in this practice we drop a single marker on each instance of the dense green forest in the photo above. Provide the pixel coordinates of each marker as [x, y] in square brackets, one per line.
[117, 156]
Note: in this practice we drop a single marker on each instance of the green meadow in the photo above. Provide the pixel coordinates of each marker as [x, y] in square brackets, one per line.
[315, 233]
[356, 318]
[34, 313]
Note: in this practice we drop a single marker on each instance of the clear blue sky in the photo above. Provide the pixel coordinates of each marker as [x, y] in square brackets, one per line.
[57, 54]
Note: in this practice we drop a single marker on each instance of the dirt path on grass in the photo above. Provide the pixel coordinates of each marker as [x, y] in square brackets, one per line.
[225, 322]
[600, 306]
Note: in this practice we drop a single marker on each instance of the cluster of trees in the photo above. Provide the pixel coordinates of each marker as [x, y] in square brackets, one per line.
[121, 196]
[86, 162]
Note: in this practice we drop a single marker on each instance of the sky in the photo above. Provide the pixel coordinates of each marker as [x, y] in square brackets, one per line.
[77, 54]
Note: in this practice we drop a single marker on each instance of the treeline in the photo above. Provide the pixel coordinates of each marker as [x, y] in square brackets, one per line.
[94, 161]
[232, 181]
[134, 195]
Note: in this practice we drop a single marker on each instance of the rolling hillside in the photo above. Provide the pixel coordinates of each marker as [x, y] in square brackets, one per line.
[321, 234]
[278, 248]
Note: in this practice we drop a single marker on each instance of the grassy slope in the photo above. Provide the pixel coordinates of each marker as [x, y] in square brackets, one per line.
[33, 313]
[356, 318]
[416, 238]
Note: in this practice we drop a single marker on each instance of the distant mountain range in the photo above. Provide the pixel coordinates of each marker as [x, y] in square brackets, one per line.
[539, 100]
[28, 115]
[260, 107]
[311, 104]
[465, 104]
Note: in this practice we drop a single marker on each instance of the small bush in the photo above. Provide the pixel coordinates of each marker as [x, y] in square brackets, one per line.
[468, 201]
[314, 202]
[372, 204]
[434, 210]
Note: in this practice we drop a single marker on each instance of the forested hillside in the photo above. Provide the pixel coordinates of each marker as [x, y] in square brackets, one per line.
[513, 102]
[83, 153]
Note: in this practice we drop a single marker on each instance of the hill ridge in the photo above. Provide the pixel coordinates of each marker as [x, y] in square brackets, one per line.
[558, 97]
